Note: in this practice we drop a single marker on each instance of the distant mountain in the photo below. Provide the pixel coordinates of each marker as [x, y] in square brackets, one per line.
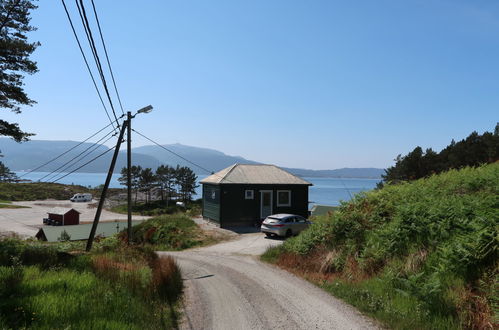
[212, 160]
[29, 155]
[367, 172]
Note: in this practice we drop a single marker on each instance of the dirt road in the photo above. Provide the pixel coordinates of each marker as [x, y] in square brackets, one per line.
[228, 288]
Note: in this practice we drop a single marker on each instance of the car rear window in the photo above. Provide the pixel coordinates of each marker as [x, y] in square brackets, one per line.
[272, 218]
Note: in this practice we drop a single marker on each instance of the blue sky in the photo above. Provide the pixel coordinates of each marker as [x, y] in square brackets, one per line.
[311, 84]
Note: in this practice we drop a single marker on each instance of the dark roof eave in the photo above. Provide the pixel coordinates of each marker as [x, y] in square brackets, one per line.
[247, 183]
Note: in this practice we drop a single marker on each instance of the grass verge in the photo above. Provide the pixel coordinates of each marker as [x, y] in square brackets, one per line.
[42, 286]
[159, 207]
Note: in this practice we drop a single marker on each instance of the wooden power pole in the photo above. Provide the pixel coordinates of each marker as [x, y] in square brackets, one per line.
[129, 174]
[106, 186]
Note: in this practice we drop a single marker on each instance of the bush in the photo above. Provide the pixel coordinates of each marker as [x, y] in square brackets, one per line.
[171, 232]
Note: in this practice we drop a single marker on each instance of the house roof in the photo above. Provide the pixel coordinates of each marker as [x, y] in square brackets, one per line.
[81, 232]
[61, 210]
[254, 174]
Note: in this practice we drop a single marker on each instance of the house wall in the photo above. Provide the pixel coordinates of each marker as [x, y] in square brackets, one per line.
[235, 210]
[211, 202]
[72, 217]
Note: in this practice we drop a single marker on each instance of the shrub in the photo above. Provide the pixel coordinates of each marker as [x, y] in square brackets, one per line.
[423, 240]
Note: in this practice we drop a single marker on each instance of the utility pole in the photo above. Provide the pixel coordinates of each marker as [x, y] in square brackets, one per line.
[106, 186]
[129, 174]
[127, 124]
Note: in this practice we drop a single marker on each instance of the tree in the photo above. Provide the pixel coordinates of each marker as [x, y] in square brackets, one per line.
[186, 180]
[165, 176]
[14, 61]
[135, 178]
[147, 181]
[475, 150]
[5, 174]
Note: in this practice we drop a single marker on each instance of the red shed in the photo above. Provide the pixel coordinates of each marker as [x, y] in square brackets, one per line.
[65, 216]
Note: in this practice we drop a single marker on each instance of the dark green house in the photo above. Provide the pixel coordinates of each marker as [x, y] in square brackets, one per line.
[241, 195]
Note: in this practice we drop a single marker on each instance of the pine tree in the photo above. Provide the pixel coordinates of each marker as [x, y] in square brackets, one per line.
[135, 178]
[5, 174]
[165, 176]
[14, 61]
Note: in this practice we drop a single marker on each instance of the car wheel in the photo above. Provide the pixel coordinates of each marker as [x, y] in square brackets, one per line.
[289, 233]
[268, 234]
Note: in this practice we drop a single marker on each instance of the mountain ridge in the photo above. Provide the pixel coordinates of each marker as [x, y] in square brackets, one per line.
[29, 155]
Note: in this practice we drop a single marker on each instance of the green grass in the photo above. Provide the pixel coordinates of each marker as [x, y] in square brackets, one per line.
[155, 208]
[169, 232]
[43, 287]
[414, 255]
[12, 206]
[42, 190]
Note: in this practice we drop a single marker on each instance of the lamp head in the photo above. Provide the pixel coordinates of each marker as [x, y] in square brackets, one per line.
[145, 109]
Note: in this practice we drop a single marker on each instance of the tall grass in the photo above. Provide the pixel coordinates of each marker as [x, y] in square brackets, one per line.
[416, 255]
[128, 288]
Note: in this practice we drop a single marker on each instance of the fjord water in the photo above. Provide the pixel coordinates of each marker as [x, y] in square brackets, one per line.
[325, 191]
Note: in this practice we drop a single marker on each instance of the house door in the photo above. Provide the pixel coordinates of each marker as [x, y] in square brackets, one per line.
[265, 203]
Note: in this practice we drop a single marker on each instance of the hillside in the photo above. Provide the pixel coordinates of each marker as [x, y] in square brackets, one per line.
[208, 158]
[414, 255]
[31, 154]
[369, 172]
[28, 155]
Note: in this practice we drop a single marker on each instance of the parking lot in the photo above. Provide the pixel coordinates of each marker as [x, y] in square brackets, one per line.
[27, 221]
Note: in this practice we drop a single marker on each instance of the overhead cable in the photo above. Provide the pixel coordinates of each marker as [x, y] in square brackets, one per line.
[173, 152]
[90, 38]
[78, 157]
[65, 152]
[107, 57]
[86, 62]
[76, 169]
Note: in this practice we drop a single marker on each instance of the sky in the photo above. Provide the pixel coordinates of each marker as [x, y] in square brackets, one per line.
[309, 84]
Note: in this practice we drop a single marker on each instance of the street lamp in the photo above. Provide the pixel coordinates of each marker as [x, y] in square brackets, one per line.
[146, 109]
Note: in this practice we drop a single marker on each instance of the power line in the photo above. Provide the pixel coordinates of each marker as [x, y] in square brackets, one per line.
[65, 152]
[86, 62]
[173, 152]
[107, 57]
[90, 38]
[76, 169]
[81, 156]
[179, 156]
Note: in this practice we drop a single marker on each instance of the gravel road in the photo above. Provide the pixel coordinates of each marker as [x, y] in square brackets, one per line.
[227, 287]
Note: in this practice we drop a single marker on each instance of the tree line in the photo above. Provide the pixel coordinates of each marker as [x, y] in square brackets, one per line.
[178, 182]
[474, 150]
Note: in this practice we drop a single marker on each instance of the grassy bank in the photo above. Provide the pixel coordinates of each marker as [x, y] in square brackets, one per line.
[415, 255]
[43, 190]
[159, 208]
[43, 286]
[170, 232]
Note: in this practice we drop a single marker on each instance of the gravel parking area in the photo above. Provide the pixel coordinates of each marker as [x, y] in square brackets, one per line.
[27, 221]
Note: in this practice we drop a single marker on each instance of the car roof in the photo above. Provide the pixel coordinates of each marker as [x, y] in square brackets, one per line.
[281, 216]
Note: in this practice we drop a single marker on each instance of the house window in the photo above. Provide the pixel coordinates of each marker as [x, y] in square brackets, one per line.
[248, 194]
[284, 198]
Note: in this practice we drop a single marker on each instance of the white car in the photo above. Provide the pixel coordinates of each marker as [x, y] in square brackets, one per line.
[81, 198]
[284, 225]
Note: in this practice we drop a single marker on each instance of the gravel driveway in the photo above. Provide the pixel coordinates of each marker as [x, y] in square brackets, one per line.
[27, 221]
[227, 287]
